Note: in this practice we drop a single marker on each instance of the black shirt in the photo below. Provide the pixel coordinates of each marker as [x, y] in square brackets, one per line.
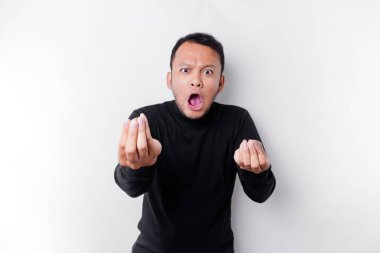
[187, 193]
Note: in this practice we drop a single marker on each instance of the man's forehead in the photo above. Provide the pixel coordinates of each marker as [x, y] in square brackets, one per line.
[190, 63]
[195, 48]
[190, 52]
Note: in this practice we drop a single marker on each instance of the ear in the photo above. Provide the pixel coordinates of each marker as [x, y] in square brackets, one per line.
[169, 80]
[221, 83]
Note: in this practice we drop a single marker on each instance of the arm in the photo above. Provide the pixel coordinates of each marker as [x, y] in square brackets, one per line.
[258, 187]
[137, 155]
[253, 166]
[134, 182]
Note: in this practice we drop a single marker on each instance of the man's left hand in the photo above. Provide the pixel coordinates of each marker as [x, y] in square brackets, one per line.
[251, 156]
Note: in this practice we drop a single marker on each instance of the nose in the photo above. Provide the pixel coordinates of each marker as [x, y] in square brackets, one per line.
[196, 81]
[194, 84]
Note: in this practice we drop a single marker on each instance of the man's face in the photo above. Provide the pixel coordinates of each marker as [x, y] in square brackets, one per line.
[195, 79]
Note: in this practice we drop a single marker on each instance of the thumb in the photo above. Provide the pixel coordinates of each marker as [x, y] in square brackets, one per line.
[236, 156]
[155, 147]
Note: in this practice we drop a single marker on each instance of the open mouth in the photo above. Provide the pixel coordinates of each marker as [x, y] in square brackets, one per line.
[195, 101]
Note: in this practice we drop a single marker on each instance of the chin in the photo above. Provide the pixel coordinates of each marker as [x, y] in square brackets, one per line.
[193, 106]
[197, 115]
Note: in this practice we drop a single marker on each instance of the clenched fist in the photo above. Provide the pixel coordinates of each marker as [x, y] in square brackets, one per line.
[137, 148]
[251, 156]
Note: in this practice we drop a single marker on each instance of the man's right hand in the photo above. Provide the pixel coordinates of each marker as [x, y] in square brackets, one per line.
[137, 148]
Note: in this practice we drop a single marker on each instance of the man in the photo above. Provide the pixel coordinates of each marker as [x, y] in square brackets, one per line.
[183, 155]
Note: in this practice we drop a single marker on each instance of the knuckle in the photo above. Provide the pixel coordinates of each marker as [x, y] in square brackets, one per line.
[130, 152]
[264, 162]
[257, 143]
[142, 147]
[150, 162]
[122, 156]
[122, 143]
[131, 156]
[255, 166]
[134, 166]
[143, 155]
[132, 159]
[123, 161]
[257, 171]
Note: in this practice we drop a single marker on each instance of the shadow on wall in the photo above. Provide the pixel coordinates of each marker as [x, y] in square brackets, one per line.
[225, 96]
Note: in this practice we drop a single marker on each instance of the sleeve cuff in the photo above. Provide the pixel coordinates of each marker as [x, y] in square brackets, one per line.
[249, 176]
[141, 172]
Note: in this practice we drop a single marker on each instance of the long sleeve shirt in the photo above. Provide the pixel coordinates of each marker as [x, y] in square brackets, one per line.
[187, 192]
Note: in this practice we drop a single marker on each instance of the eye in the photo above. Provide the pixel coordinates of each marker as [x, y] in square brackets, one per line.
[208, 72]
[185, 70]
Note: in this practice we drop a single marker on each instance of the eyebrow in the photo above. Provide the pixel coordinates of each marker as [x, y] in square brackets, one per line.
[202, 66]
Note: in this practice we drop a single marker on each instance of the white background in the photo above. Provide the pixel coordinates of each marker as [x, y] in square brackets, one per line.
[72, 71]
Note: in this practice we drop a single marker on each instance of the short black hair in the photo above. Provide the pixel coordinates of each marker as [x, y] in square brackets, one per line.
[203, 39]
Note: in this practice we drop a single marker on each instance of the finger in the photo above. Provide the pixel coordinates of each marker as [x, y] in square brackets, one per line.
[123, 141]
[124, 134]
[259, 147]
[154, 146]
[142, 146]
[130, 148]
[262, 156]
[241, 163]
[237, 157]
[147, 127]
[246, 155]
[255, 165]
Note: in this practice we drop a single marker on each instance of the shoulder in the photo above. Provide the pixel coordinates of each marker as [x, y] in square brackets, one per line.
[151, 111]
[232, 108]
[233, 111]
[157, 115]
[236, 117]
